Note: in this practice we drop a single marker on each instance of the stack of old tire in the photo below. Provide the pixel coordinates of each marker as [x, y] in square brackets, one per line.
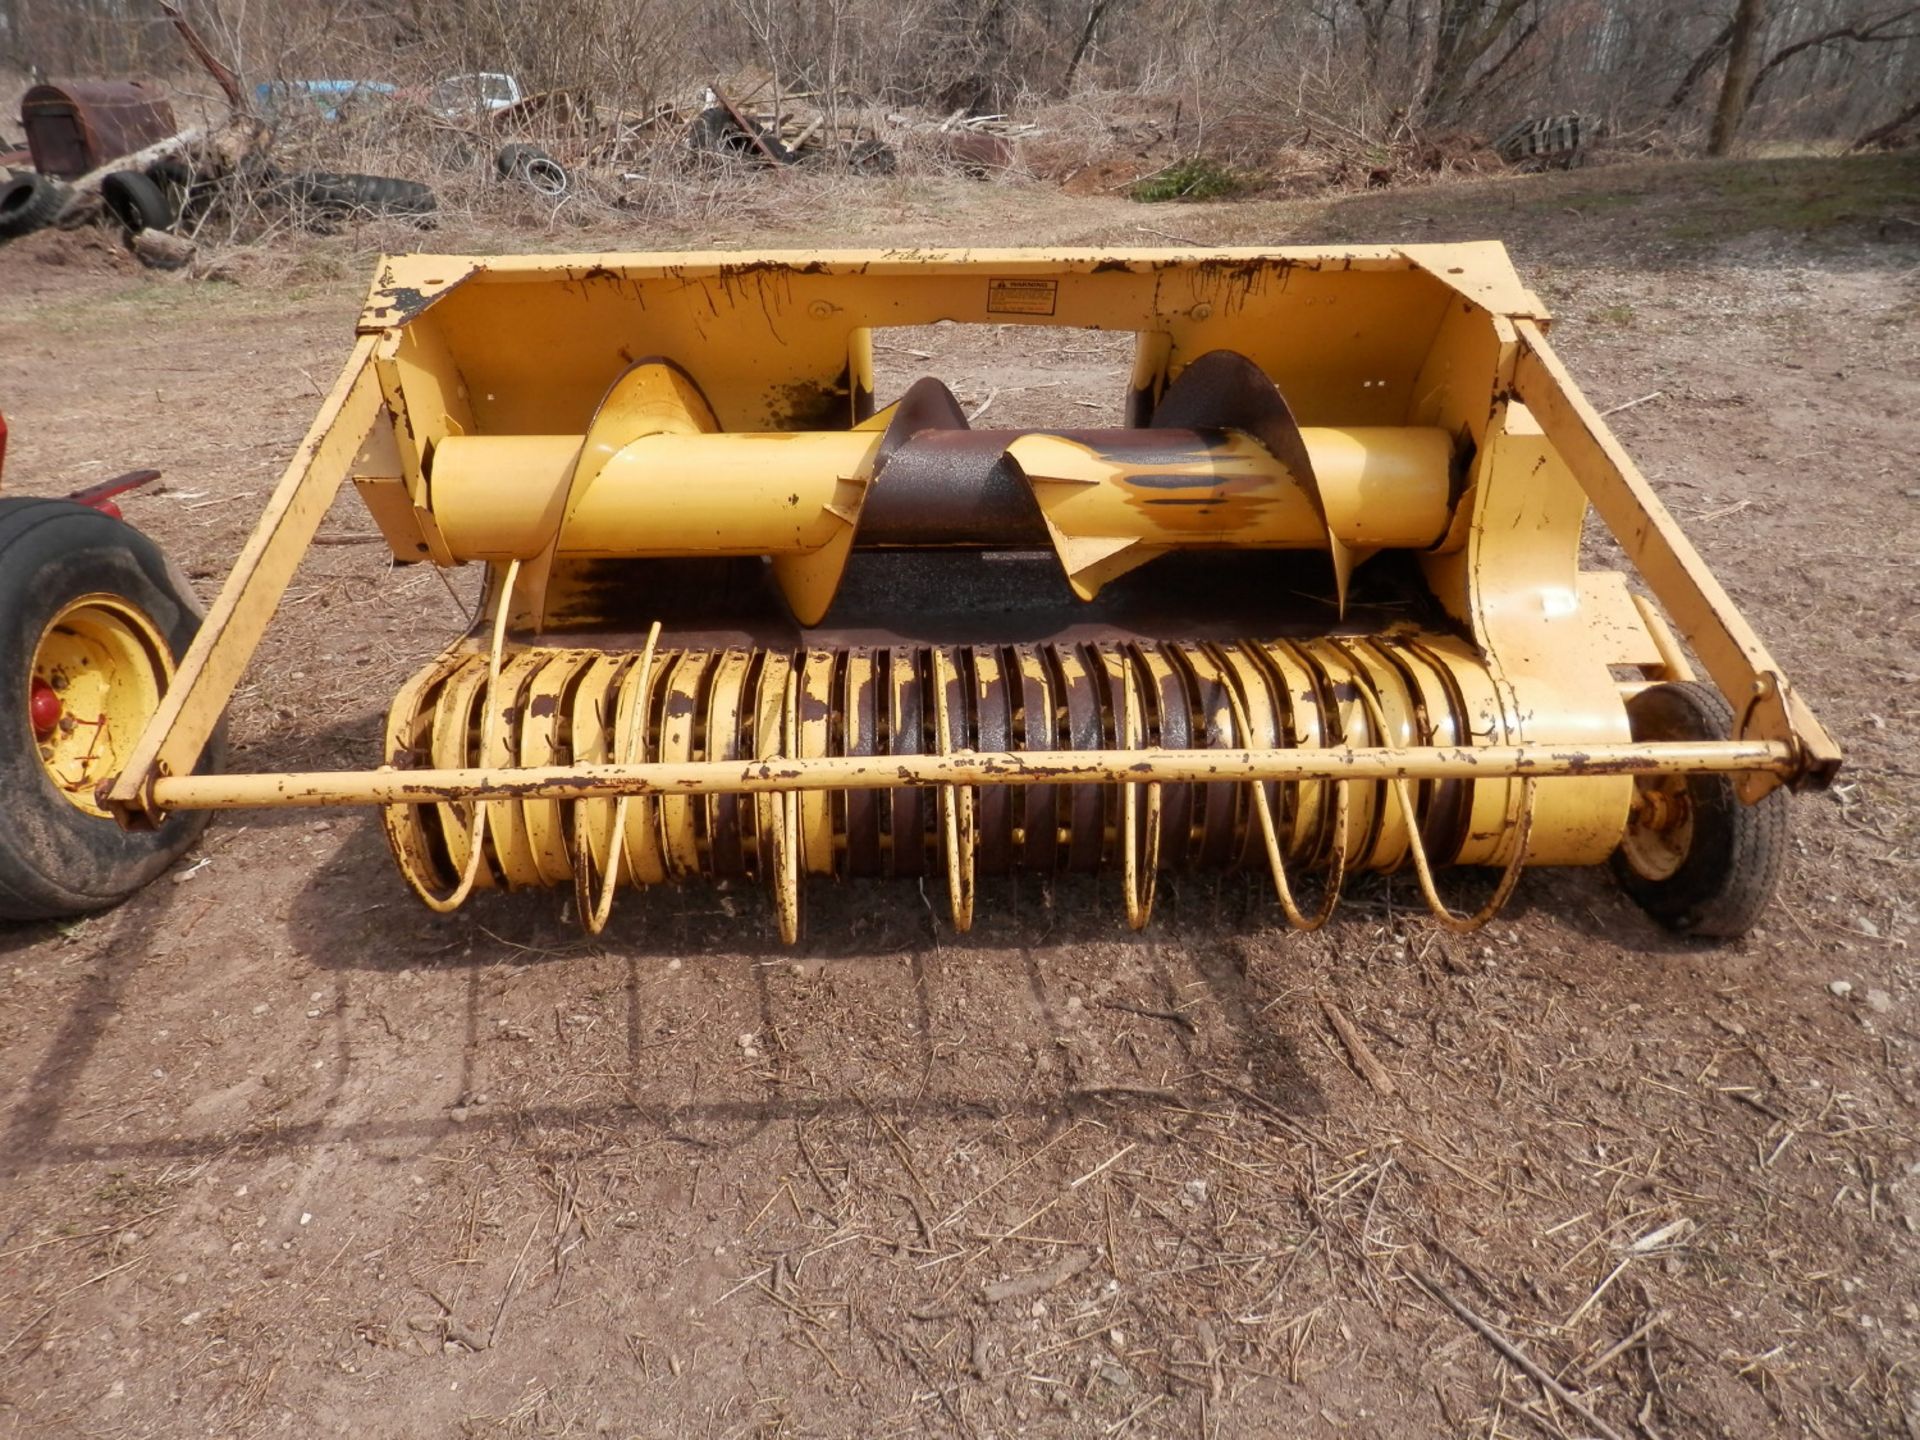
[138, 199]
[153, 200]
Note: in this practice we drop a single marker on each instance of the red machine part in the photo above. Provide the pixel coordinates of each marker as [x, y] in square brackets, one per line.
[100, 496]
[43, 708]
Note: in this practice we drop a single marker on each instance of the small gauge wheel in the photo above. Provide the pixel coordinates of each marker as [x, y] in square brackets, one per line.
[1695, 856]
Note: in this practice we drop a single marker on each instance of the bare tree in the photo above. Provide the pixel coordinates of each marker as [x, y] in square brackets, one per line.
[1095, 12]
[1463, 33]
[1374, 15]
[1360, 69]
[1702, 63]
[1734, 88]
[1884, 134]
[1890, 27]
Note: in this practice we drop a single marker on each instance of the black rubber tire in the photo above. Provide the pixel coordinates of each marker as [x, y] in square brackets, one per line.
[173, 171]
[136, 201]
[1736, 853]
[29, 203]
[534, 168]
[57, 860]
[714, 132]
[381, 194]
[512, 157]
[872, 157]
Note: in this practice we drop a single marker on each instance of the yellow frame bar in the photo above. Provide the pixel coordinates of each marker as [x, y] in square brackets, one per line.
[1765, 705]
[173, 740]
[388, 786]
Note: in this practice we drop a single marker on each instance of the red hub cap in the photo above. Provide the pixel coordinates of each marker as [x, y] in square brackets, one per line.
[43, 708]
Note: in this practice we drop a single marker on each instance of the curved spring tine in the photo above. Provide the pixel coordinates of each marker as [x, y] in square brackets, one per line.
[1139, 880]
[405, 832]
[1509, 876]
[456, 897]
[1337, 874]
[956, 809]
[594, 913]
[786, 810]
[1149, 858]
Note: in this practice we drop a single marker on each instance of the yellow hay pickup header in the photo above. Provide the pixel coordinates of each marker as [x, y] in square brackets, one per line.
[1316, 605]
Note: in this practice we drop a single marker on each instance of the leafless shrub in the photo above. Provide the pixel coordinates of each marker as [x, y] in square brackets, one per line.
[1296, 95]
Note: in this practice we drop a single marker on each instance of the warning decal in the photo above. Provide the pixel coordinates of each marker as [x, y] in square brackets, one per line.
[1021, 297]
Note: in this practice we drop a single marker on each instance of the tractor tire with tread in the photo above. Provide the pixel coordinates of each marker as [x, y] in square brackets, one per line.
[380, 194]
[1715, 870]
[56, 859]
[873, 158]
[134, 199]
[28, 203]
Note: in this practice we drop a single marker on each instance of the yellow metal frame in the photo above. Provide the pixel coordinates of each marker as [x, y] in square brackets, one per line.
[852, 772]
[1437, 336]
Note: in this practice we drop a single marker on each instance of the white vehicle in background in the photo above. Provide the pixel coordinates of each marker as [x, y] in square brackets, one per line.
[461, 97]
[492, 103]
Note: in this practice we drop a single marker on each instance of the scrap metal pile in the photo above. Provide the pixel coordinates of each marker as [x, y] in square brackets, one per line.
[114, 151]
[752, 116]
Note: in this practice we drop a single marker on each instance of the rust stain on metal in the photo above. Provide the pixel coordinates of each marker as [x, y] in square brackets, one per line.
[1132, 719]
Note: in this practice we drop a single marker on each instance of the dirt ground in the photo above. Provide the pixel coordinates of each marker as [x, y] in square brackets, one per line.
[281, 1153]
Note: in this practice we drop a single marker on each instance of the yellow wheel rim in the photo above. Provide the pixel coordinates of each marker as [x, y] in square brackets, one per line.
[108, 667]
[1660, 828]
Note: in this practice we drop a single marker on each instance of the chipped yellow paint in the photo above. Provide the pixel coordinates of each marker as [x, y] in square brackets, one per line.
[533, 413]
